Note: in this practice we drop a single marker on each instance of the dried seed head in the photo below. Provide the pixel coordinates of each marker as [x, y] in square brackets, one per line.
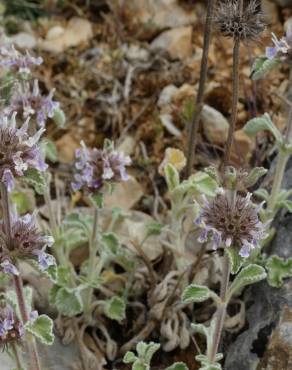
[30, 103]
[26, 242]
[11, 329]
[18, 150]
[246, 25]
[98, 166]
[235, 225]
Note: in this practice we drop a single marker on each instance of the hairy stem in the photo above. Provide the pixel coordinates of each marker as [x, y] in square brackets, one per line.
[235, 87]
[91, 263]
[17, 356]
[18, 285]
[221, 311]
[199, 99]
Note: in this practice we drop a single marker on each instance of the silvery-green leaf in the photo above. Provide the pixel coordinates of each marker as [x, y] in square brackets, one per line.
[23, 200]
[254, 175]
[10, 296]
[110, 242]
[69, 302]
[278, 269]
[150, 351]
[263, 65]
[263, 123]
[154, 228]
[36, 179]
[50, 150]
[171, 176]
[178, 366]
[139, 365]
[53, 293]
[129, 357]
[115, 308]
[42, 329]
[196, 293]
[77, 220]
[236, 261]
[59, 118]
[286, 204]
[248, 275]
[97, 200]
[204, 184]
[63, 275]
[262, 193]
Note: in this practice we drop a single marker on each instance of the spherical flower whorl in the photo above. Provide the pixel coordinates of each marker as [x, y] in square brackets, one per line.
[18, 151]
[95, 167]
[228, 224]
[30, 103]
[282, 48]
[26, 242]
[246, 25]
[11, 329]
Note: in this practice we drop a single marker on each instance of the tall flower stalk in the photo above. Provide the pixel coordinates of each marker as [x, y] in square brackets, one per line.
[193, 130]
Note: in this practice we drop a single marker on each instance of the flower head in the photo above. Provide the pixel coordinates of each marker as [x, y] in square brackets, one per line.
[13, 59]
[246, 25]
[31, 103]
[11, 328]
[95, 167]
[228, 224]
[18, 150]
[26, 242]
[282, 48]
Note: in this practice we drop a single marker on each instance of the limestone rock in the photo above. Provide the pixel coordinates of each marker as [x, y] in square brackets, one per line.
[215, 125]
[176, 42]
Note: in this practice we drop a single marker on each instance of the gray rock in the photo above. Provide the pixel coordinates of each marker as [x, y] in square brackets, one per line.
[267, 343]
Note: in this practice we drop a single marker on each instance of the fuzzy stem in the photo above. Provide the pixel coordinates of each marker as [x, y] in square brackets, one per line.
[199, 99]
[18, 285]
[235, 87]
[221, 311]
[16, 355]
[92, 262]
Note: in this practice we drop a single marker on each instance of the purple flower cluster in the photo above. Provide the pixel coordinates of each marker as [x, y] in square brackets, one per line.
[237, 225]
[14, 60]
[282, 48]
[94, 167]
[25, 242]
[30, 102]
[11, 329]
[18, 150]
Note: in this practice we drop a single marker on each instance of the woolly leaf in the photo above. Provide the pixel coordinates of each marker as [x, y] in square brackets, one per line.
[68, 302]
[263, 123]
[235, 259]
[59, 118]
[178, 366]
[195, 293]
[263, 65]
[204, 183]
[50, 150]
[97, 200]
[150, 351]
[63, 275]
[262, 193]
[115, 308]
[110, 242]
[42, 329]
[36, 179]
[278, 269]
[139, 365]
[254, 175]
[171, 176]
[286, 204]
[129, 357]
[248, 275]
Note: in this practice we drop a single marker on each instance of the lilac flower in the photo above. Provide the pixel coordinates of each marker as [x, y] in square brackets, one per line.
[30, 103]
[26, 242]
[13, 59]
[237, 226]
[8, 268]
[94, 167]
[18, 150]
[11, 328]
[282, 48]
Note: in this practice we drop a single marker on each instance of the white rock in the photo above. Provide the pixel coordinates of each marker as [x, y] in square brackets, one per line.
[136, 53]
[23, 40]
[215, 125]
[166, 95]
[177, 42]
[58, 39]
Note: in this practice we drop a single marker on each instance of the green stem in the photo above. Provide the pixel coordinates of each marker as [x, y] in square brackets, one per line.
[18, 285]
[93, 247]
[202, 82]
[221, 311]
[16, 355]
